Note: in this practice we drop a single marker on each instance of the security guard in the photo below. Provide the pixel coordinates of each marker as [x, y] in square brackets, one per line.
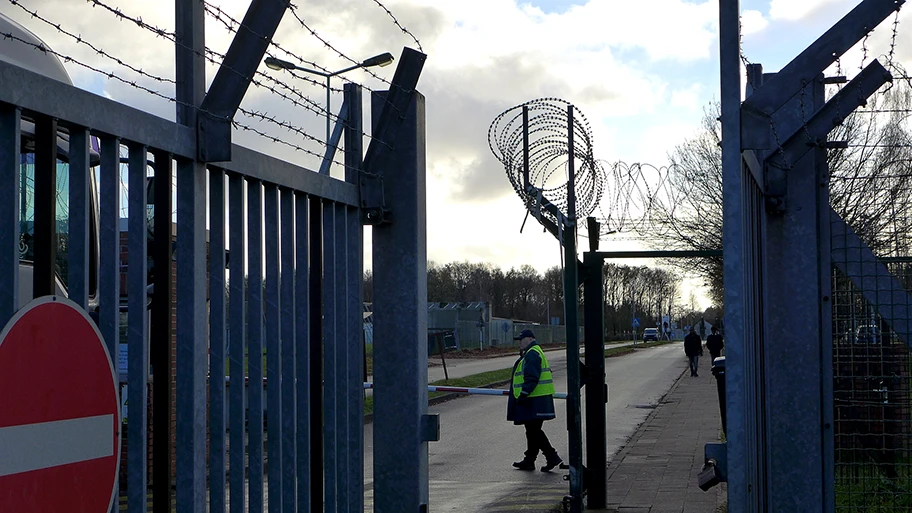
[532, 402]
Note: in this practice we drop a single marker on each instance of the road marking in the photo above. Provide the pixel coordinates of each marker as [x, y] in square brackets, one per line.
[50, 444]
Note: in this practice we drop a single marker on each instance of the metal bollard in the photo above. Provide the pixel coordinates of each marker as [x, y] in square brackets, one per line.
[718, 370]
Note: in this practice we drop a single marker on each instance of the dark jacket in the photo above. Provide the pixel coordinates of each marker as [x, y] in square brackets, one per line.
[714, 344]
[529, 408]
[693, 345]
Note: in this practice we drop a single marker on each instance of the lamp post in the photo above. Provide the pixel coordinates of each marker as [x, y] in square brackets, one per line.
[383, 59]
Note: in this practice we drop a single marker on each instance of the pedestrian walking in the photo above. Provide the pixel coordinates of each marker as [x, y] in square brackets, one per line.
[714, 343]
[693, 348]
[532, 402]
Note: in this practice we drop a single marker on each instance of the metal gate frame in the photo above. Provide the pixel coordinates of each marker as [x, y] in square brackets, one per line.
[312, 331]
[779, 387]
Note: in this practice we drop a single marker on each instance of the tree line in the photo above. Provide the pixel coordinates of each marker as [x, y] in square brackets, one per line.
[524, 294]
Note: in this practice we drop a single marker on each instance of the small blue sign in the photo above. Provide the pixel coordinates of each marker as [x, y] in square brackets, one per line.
[636, 322]
[505, 326]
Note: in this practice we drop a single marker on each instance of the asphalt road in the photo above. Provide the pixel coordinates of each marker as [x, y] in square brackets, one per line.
[469, 468]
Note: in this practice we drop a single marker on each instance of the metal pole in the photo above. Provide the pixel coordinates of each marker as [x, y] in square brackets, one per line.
[596, 396]
[525, 114]
[328, 108]
[402, 427]
[192, 319]
[743, 491]
[571, 298]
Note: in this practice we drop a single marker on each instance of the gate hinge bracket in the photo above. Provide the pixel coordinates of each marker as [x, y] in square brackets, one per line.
[430, 427]
[373, 202]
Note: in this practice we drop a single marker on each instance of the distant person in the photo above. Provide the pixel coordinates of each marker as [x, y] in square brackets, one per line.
[693, 348]
[714, 343]
[532, 402]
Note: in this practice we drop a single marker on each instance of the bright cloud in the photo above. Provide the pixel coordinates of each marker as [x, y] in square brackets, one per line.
[752, 22]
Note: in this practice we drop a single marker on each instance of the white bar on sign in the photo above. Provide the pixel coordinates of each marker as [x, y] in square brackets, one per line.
[31, 447]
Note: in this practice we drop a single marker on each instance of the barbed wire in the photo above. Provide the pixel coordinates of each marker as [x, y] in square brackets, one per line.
[548, 155]
[338, 52]
[109, 74]
[401, 27]
[274, 139]
[114, 76]
[210, 55]
[287, 126]
[80, 40]
[231, 24]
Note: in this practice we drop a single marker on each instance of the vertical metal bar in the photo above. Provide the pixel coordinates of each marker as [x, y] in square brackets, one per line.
[822, 186]
[328, 109]
[739, 456]
[255, 344]
[303, 368]
[80, 215]
[45, 222]
[525, 121]
[571, 305]
[137, 330]
[191, 337]
[354, 328]
[315, 316]
[217, 354]
[353, 241]
[596, 424]
[400, 313]
[162, 331]
[273, 349]
[10, 169]
[109, 231]
[331, 375]
[237, 306]
[109, 242]
[354, 143]
[289, 355]
[190, 73]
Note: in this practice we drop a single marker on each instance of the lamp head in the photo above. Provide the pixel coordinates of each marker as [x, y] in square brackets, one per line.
[384, 59]
[278, 64]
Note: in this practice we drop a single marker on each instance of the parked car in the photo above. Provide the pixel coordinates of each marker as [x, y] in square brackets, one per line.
[650, 334]
[867, 334]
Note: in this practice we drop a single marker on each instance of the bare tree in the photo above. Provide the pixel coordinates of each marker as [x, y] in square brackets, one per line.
[869, 185]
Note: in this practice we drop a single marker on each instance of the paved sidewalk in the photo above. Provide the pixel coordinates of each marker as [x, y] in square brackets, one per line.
[656, 472]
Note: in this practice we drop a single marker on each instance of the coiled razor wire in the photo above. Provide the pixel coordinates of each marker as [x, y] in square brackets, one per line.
[549, 153]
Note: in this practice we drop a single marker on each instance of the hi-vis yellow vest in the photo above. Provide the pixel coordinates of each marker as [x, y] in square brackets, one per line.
[545, 384]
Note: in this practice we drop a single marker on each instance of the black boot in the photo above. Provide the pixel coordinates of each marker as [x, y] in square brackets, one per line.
[553, 460]
[528, 461]
[524, 464]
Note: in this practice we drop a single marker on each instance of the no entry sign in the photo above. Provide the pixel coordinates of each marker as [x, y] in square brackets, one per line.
[59, 412]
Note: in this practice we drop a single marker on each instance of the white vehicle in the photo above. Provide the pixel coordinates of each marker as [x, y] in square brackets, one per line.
[28, 57]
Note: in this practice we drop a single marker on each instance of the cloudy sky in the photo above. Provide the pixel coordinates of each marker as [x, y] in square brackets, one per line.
[641, 72]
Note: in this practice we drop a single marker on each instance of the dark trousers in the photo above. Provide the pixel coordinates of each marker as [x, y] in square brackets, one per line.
[694, 364]
[537, 440]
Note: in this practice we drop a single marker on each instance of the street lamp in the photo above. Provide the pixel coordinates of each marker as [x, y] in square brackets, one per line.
[384, 59]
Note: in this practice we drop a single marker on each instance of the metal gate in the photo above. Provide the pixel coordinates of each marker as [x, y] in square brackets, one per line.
[267, 262]
[805, 296]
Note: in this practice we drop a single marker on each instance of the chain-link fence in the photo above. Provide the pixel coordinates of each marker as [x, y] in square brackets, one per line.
[872, 393]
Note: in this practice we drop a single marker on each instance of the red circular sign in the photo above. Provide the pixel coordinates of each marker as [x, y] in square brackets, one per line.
[59, 412]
